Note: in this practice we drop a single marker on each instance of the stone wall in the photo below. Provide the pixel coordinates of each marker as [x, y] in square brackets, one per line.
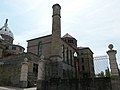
[103, 83]
[9, 74]
[58, 84]
[10, 70]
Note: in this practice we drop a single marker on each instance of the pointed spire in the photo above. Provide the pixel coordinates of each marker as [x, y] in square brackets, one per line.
[6, 23]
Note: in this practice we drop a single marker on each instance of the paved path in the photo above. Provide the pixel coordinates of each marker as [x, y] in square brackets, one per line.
[15, 88]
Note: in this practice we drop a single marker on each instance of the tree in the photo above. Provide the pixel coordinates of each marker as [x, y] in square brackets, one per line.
[101, 74]
[107, 72]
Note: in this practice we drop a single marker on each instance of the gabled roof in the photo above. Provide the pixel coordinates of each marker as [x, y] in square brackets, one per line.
[67, 36]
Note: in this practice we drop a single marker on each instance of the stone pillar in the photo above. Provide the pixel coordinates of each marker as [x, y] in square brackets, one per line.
[115, 79]
[112, 60]
[24, 74]
[41, 74]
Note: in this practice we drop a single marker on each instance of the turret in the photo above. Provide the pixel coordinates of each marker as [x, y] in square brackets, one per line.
[6, 33]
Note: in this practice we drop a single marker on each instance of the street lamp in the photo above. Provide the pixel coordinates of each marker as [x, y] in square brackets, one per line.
[76, 63]
[75, 54]
[76, 68]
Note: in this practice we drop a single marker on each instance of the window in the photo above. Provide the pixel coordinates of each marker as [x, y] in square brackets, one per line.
[83, 68]
[71, 57]
[7, 48]
[40, 48]
[13, 48]
[82, 60]
[64, 73]
[71, 41]
[35, 69]
[20, 49]
[63, 53]
[67, 56]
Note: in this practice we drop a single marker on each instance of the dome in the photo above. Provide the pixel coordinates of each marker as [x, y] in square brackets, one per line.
[5, 30]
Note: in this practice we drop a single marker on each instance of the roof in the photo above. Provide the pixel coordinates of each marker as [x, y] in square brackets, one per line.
[39, 37]
[67, 36]
[82, 48]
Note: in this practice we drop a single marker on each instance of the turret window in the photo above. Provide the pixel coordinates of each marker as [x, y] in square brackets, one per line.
[70, 41]
[13, 48]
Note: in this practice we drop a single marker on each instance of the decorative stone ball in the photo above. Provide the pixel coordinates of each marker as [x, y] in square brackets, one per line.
[110, 46]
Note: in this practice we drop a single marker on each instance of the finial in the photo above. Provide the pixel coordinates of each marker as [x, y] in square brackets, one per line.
[6, 22]
[110, 46]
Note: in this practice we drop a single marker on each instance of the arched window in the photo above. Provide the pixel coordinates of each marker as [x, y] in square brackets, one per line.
[71, 57]
[40, 48]
[67, 57]
[63, 53]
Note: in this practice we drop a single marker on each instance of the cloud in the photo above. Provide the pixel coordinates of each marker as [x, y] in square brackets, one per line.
[94, 23]
[18, 7]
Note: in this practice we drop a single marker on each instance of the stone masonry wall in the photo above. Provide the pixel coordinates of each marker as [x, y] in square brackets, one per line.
[102, 83]
[9, 74]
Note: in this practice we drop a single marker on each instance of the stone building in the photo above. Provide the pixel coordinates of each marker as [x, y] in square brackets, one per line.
[61, 50]
[18, 68]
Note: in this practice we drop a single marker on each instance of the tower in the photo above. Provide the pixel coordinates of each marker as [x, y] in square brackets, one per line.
[56, 69]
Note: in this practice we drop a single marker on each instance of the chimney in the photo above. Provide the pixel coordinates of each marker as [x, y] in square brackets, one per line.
[56, 22]
[56, 30]
[56, 58]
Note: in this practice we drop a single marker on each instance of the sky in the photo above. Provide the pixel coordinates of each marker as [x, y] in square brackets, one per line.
[94, 23]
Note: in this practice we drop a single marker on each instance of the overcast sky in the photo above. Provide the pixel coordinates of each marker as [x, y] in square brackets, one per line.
[94, 23]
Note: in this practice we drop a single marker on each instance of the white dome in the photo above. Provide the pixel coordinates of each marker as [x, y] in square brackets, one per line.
[6, 31]
[1, 37]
